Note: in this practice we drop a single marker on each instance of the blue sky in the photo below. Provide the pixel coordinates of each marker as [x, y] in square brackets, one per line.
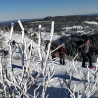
[33, 9]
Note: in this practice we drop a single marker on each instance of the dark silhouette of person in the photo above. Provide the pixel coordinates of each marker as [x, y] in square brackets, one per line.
[46, 48]
[53, 54]
[85, 52]
[61, 51]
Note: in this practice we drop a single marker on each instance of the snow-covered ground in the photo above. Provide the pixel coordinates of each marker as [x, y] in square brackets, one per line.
[46, 36]
[91, 22]
[73, 27]
[58, 84]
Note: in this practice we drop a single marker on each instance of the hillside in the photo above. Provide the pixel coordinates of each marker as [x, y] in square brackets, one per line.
[26, 73]
[75, 27]
[61, 80]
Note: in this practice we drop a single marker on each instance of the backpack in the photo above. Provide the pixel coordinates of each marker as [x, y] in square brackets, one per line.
[78, 43]
[61, 52]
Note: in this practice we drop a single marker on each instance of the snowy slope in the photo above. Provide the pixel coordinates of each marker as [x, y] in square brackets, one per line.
[46, 36]
[58, 80]
[91, 22]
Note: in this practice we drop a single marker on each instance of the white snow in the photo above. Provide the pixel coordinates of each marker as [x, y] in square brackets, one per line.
[91, 22]
[54, 87]
[46, 36]
[73, 27]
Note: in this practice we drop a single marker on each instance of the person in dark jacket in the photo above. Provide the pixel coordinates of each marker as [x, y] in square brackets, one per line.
[85, 52]
[62, 55]
[46, 48]
[54, 53]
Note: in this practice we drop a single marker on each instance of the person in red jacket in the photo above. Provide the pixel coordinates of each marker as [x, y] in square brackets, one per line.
[62, 55]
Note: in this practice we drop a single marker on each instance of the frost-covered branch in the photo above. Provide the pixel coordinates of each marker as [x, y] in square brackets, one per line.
[85, 78]
[45, 63]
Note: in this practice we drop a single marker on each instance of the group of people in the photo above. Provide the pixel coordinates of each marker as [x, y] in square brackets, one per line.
[84, 51]
[61, 52]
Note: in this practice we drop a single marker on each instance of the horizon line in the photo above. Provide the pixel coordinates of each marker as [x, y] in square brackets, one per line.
[48, 16]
